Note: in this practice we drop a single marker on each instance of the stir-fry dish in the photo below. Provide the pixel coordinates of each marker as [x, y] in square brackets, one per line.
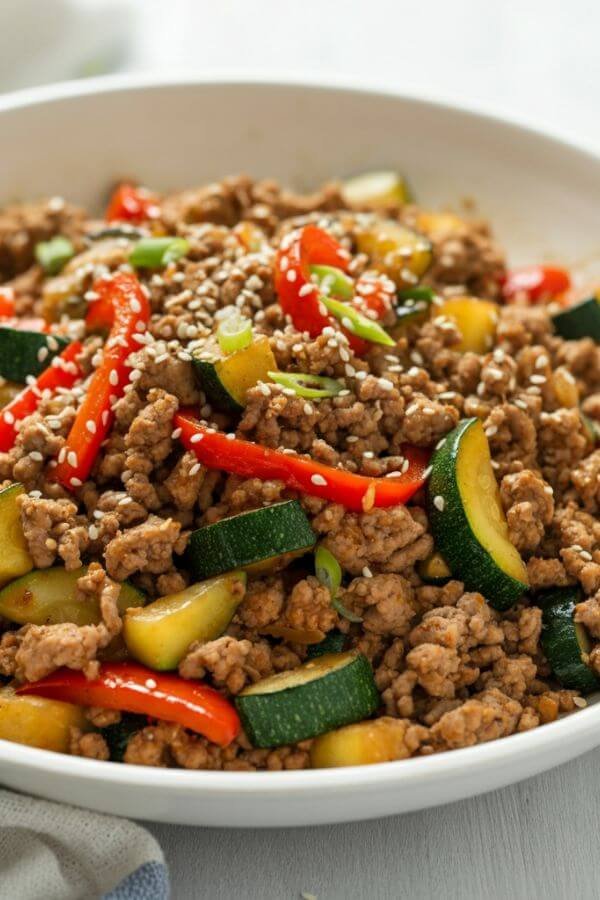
[290, 481]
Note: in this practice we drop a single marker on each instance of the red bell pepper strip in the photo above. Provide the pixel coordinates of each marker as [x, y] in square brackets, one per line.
[7, 305]
[131, 204]
[536, 283]
[298, 296]
[64, 371]
[131, 312]
[358, 492]
[133, 688]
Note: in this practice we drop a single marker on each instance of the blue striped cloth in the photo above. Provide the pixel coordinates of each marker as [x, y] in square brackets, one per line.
[51, 851]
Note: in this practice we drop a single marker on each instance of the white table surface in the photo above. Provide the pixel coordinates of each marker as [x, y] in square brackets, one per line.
[536, 61]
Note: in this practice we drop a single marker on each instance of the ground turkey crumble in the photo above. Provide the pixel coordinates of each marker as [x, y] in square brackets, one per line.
[452, 671]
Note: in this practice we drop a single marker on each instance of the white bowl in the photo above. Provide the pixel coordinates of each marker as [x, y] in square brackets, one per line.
[543, 197]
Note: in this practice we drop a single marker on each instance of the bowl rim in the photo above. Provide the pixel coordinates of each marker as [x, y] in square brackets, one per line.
[417, 770]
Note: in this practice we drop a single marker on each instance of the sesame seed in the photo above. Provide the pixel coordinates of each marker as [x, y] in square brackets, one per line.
[538, 379]
[580, 702]
[306, 289]
[36, 456]
[91, 426]
[584, 554]
[491, 430]
[150, 684]
[195, 469]
[195, 438]
[405, 466]
[9, 418]
[62, 454]
[230, 436]
[366, 572]
[318, 480]
[439, 502]
[93, 532]
[308, 410]
[52, 343]
[136, 305]
[541, 361]
[76, 482]
[291, 275]
[386, 384]
[42, 354]
[72, 458]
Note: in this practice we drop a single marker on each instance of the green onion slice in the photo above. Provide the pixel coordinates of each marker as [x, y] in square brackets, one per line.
[345, 613]
[234, 332]
[420, 292]
[54, 254]
[333, 281]
[328, 570]
[157, 252]
[354, 322]
[312, 387]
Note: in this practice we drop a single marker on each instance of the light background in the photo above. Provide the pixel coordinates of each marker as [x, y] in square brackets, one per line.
[536, 61]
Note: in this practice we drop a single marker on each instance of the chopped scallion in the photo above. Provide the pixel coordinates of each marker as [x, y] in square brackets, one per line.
[52, 255]
[345, 613]
[333, 281]
[356, 323]
[157, 252]
[328, 570]
[313, 387]
[234, 332]
[420, 292]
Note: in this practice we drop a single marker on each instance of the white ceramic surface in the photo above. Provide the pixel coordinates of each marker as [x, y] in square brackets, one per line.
[543, 197]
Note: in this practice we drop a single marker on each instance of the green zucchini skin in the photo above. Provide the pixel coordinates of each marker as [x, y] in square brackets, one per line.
[19, 352]
[467, 559]
[579, 321]
[215, 391]
[560, 642]
[334, 642]
[248, 539]
[340, 697]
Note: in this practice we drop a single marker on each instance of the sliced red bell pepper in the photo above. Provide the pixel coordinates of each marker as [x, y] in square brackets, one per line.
[130, 312]
[358, 492]
[131, 204]
[536, 283]
[7, 305]
[64, 371]
[130, 687]
[298, 296]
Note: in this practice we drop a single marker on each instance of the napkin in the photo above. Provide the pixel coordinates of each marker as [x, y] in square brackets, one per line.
[51, 851]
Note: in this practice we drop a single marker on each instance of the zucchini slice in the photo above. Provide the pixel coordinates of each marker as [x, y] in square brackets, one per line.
[377, 189]
[14, 559]
[334, 642]
[361, 744]
[565, 642]
[476, 320]
[397, 251]
[467, 520]
[434, 569]
[159, 634]
[226, 378]
[38, 722]
[253, 540]
[24, 353]
[49, 596]
[592, 429]
[579, 321]
[323, 694]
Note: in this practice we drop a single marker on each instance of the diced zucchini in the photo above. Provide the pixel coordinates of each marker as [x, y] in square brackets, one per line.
[333, 642]
[361, 744]
[435, 224]
[24, 353]
[255, 540]
[434, 569]
[159, 634]
[8, 391]
[14, 559]
[402, 254]
[579, 321]
[226, 379]
[323, 694]
[38, 722]
[49, 596]
[467, 520]
[476, 320]
[376, 190]
[565, 642]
